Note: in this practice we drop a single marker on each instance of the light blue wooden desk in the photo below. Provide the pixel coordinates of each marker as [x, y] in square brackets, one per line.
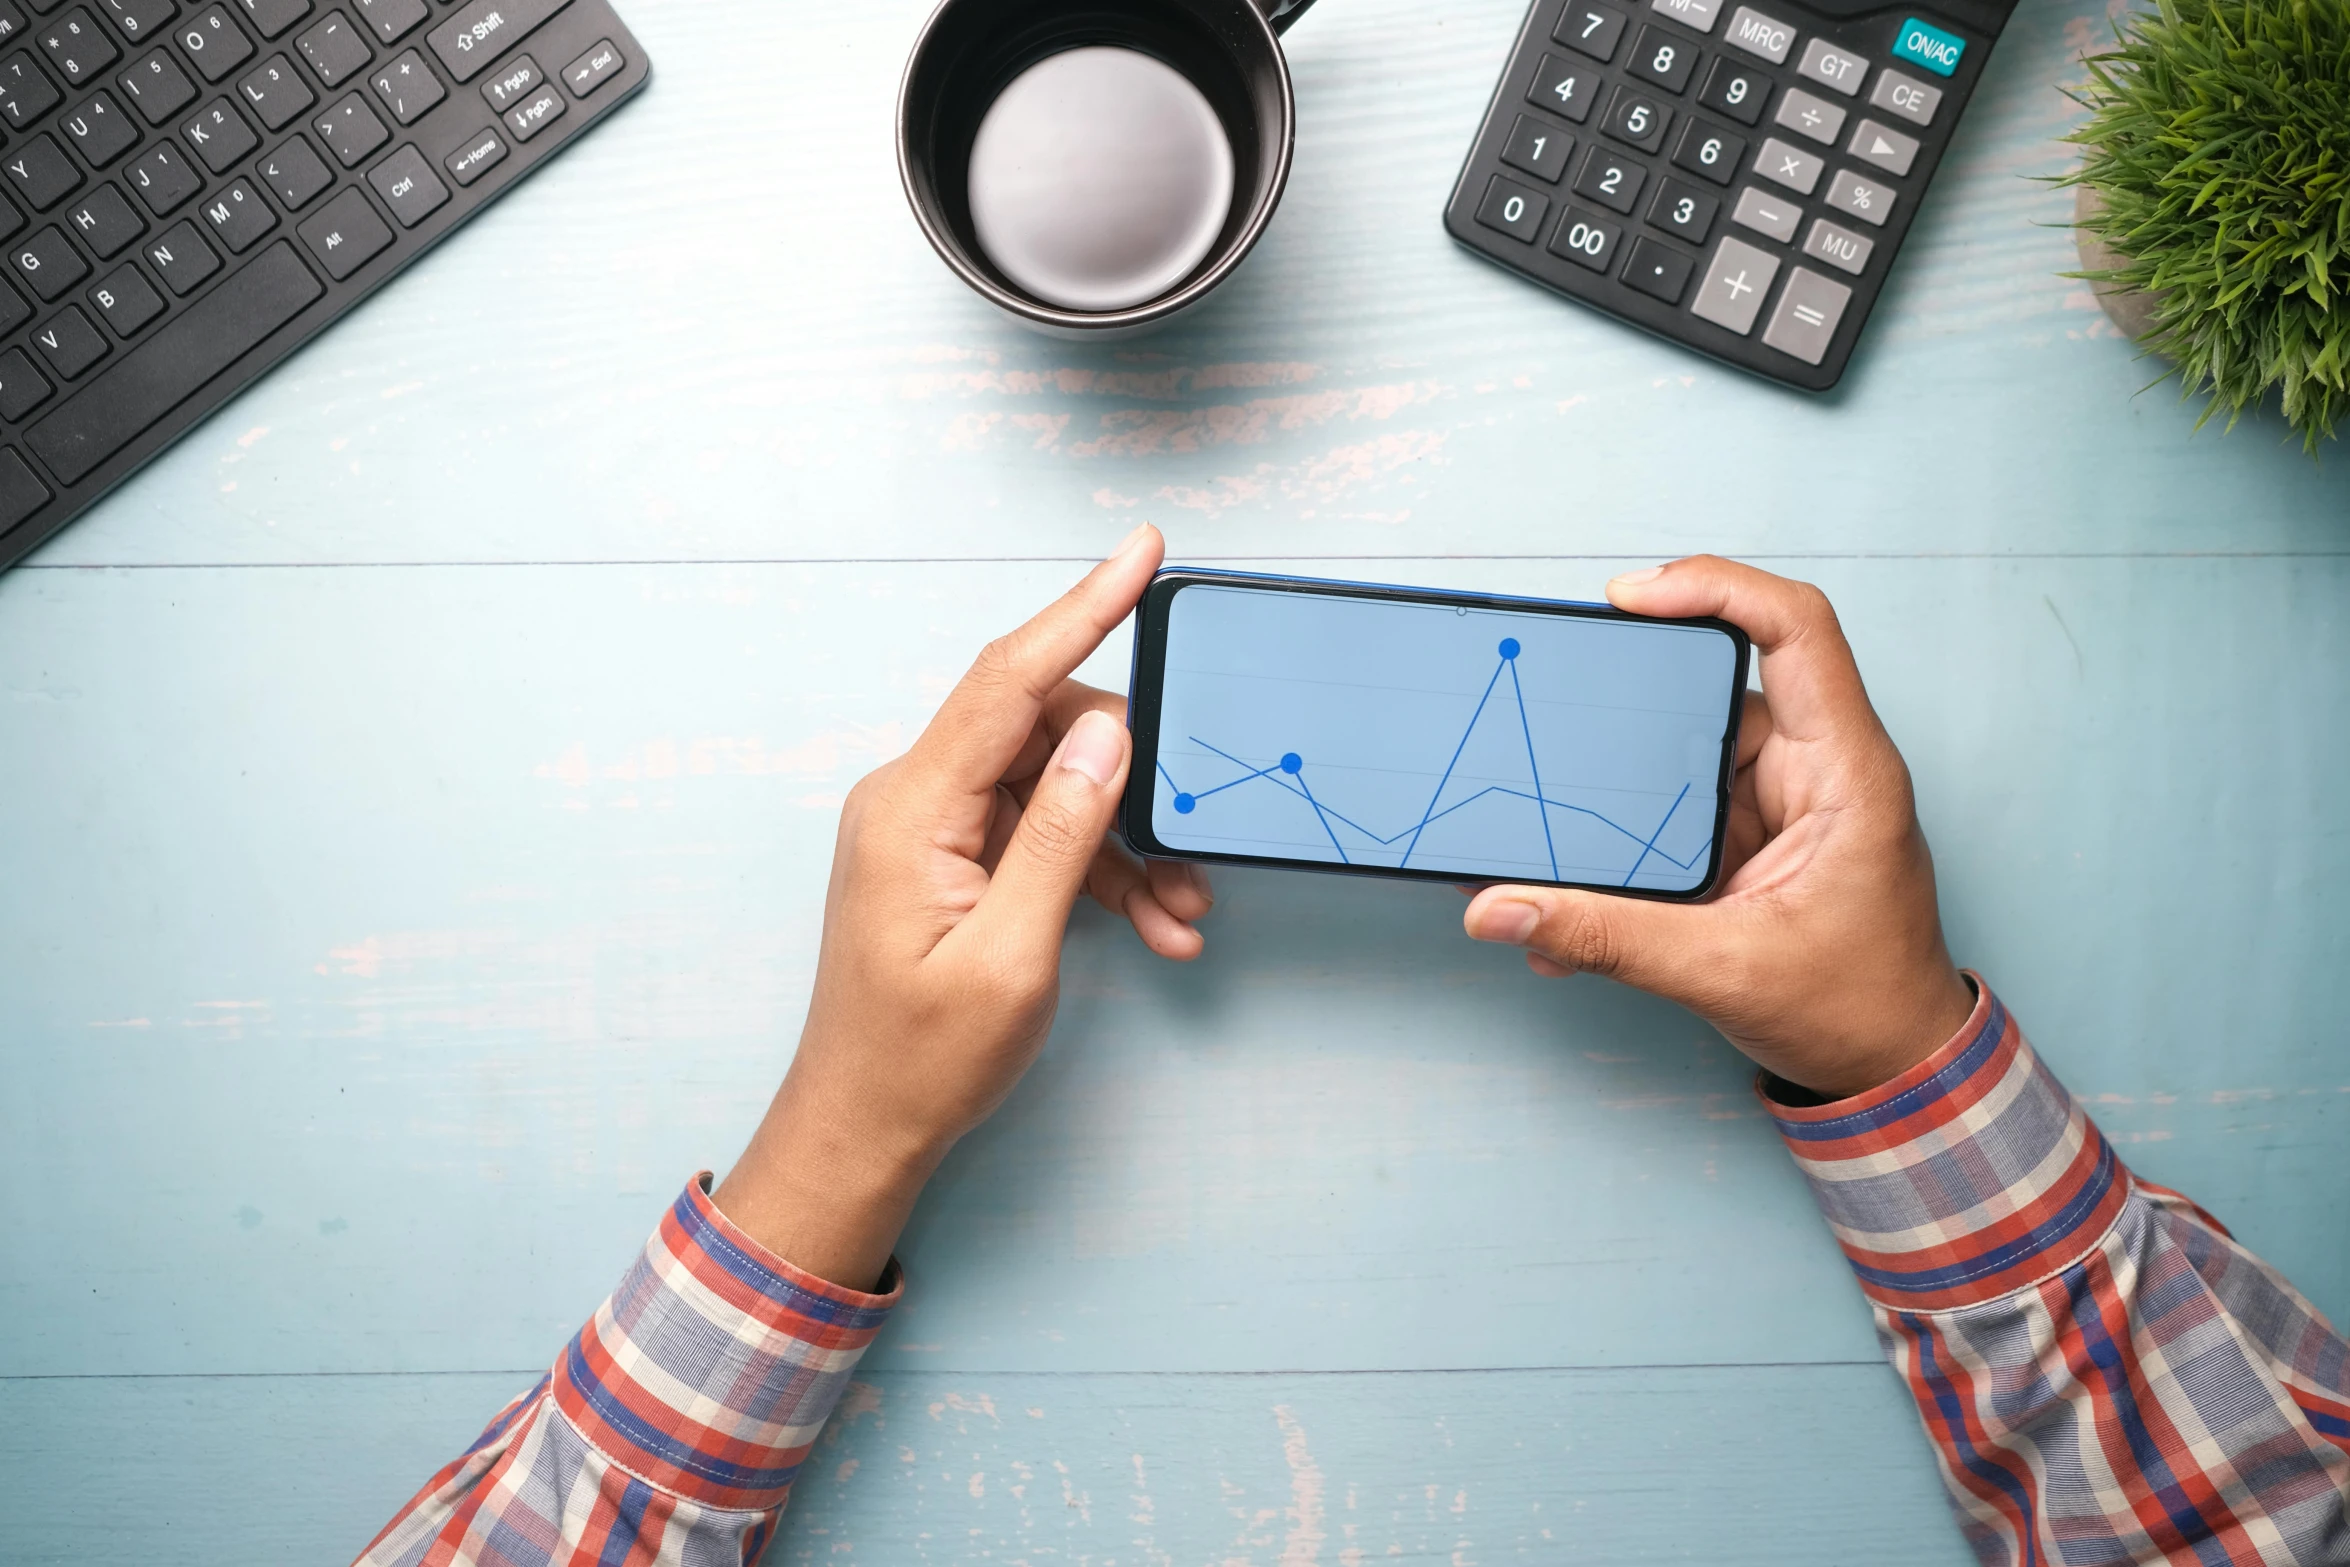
[416, 792]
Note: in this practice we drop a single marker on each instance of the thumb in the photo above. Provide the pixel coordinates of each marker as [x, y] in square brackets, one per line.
[1044, 866]
[1661, 948]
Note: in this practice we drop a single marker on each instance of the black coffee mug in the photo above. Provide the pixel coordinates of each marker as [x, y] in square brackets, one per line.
[970, 50]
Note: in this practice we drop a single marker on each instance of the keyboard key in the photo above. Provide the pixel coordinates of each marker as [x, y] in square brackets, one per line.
[1760, 35]
[105, 222]
[1634, 117]
[1658, 270]
[69, 343]
[345, 235]
[187, 352]
[10, 221]
[22, 388]
[350, 130]
[275, 16]
[1913, 100]
[542, 109]
[1767, 214]
[21, 494]
[1887, 149]
[14, 312]
[1808, 114]
[476, 158]
[25, 90]
[1838, 247]
[238, 216]
[408, 87]
[41, 172]
[1699, 14]
[157, 86]
[12, 22]
[1563, 89]
[1792, 167]
[295, 174]
[1611, 181]
[100, 131]
[1594, 30]
[408, 186]
[504, 90]
[1586, 239]
[1683, 211]
[1663, 58]
[593, 69]
[273, 92]
[1865, 199]
[126, 300]
[1832, 67]
[391, 19]
[182, 259]
[1538, 148]
[1806, 317]
[1709, 152]
[1735, 283]
[1736, 91]
[484, 29]
[78, 46]
[163, 179]
[138, 19]
[335, 50]
[214, 42]
[1922, 43]
[1513, 209]
[219, 136]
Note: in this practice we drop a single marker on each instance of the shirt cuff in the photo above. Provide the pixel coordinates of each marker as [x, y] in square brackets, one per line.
[714, 1364]
[1966, 1178]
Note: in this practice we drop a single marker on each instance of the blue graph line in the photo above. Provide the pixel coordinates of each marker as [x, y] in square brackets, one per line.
[1288, 774]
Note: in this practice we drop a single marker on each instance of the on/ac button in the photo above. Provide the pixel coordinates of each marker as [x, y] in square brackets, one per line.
[1922, 43]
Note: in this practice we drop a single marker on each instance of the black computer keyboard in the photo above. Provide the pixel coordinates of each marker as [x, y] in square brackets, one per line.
[195, 187]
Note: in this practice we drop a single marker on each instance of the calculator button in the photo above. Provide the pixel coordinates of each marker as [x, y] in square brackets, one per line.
[1513, 209]
[1792, 167]
[1564, 89]
[1611, 181]
[1808, 114]
[1663, 58]
[1766, 214]
[1832, 67]
[1709, 152]
[1913, 100]
[1888, 150]
[1757, 34]
[1864, 199]
[1699, 14]
[1594, 30]
[1683, 211]
[1922, 43]
[1586, 239]
[1736, 91]
[1636, 118]
[1838, 247]
[1734, 286]
[1539, 148]
[1807, 314]
[1659, 271]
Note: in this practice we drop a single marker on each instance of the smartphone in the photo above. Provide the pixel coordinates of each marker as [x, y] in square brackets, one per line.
[1435, 736]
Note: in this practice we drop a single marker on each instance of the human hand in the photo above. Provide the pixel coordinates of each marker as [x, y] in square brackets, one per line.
[952, 881]
[1821, 955]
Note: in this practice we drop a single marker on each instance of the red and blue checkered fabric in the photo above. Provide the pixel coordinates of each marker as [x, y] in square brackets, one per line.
[2106, 1375]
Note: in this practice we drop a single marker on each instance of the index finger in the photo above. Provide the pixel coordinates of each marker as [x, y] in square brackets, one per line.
[980, 729]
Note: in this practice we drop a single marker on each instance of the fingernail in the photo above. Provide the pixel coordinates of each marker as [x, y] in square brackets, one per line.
[1510, 923]
[1199, 882]
[1095, 746]
[1633, 579]
[1127, 546]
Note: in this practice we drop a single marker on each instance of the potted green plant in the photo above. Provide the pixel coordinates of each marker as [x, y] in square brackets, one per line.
[2214, 206]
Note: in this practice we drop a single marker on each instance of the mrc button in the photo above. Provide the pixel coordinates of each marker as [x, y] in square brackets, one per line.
[1922, 43]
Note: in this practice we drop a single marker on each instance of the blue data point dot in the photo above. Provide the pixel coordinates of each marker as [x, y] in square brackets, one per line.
[1184, 804]
[1509, 647]
[1292, 763]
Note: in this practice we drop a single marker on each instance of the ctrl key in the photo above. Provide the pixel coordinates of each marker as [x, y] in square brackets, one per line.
[345, 235]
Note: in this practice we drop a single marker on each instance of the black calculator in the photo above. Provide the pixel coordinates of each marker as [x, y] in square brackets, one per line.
[1735, 177]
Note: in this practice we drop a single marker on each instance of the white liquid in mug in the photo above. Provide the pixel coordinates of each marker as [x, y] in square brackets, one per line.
[1099, 179]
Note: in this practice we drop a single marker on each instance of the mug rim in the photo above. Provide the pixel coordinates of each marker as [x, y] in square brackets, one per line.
[1055, 317]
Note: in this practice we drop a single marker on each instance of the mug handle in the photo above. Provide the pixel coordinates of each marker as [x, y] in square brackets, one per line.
[1283, 14]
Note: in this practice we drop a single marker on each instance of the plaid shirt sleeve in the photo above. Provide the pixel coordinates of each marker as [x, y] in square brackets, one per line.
[670, 1428]
[2105, 1374]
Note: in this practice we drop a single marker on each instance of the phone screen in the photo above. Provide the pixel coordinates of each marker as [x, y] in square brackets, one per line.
[1449, 736]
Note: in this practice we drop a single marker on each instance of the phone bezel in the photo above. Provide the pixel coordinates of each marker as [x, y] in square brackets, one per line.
[1146, 682]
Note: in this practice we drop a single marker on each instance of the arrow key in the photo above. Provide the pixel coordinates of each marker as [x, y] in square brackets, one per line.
[1887, 149]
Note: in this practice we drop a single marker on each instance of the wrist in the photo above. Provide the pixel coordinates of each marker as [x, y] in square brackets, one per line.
[1909, 1029]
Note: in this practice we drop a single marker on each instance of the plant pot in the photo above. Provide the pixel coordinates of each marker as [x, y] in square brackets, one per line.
[2126, 308]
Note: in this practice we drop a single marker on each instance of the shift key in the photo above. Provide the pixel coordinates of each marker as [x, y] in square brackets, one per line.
[472, 40]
